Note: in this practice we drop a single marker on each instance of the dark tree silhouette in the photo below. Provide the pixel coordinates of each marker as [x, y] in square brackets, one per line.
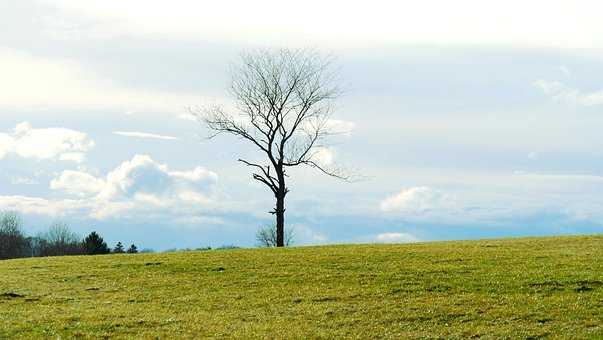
[132, 250]
[284, 101]
[119, 248]
[13, 242]
[94, 244]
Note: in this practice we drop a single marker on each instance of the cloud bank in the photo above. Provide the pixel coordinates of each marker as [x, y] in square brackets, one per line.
[140, 188]
[43, 144]
[139, 185]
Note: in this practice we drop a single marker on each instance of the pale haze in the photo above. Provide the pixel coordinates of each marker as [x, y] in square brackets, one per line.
[465, 119]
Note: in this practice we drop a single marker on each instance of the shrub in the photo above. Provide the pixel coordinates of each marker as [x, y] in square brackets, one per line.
[132, 250]
[119, 248]
[266, 236]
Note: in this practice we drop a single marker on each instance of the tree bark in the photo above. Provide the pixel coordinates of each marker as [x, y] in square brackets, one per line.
[280, 220]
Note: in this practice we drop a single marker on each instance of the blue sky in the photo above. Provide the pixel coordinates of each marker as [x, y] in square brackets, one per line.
[470, 121]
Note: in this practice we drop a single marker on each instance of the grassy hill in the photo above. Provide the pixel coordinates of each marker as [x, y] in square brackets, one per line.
[520, 288]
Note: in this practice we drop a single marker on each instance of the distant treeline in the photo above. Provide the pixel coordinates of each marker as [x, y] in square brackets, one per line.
[59, 240]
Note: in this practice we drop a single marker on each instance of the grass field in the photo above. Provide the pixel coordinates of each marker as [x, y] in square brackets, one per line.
[517, 288]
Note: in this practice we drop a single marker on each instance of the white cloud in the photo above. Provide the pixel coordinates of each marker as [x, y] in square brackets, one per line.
[140, 189]
[324, 156]
[136, 134]
[559, 23]
[77, 183]
[143, 175]
[418, 200]
[140, 185]
[50, 143]
[393, 237]
[563, 93]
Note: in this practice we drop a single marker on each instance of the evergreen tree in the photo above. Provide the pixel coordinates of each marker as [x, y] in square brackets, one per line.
[119, 248]
[133, 249]
[94, 244]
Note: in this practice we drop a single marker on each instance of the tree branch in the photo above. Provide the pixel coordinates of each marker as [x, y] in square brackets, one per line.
[267, 179]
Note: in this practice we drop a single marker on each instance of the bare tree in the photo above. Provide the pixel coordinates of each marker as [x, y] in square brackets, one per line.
[59, 233]
[283, 101]
[59, 240]
[267, 237]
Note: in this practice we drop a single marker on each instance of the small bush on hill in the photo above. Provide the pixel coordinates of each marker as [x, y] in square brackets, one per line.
[119, 248]
[132, 250]
[266, 236]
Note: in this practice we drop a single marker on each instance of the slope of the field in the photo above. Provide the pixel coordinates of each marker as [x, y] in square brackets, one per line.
[517, 288]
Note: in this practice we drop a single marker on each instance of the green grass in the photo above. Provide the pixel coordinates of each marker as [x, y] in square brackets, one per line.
[515, 288]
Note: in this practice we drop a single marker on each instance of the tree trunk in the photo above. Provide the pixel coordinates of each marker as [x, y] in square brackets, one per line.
[280, 220]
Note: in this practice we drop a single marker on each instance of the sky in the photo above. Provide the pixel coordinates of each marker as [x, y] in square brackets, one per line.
[466, 119]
